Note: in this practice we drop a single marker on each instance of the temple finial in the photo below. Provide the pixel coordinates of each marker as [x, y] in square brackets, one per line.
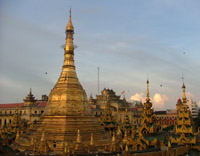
[42, 137]
[69, 46]
[78, 139]
[147, 98]
[113, 137]
[184, 95]
[91, 139]
[70, 26]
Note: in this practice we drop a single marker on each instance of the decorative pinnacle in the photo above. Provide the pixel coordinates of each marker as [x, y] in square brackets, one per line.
[78, 140]
[113, 137]
[92, 139]
[147, 98]
[70, 25]
[184, 95]
[42, 137]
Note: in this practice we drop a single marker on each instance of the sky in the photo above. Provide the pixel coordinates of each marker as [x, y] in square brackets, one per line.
[129, 41]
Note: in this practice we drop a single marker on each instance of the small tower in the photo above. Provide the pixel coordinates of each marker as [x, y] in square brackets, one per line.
[30, 99]
[148, 125]
[43, 146]
[126, 123]
[91, 101]
[114, 145]
[17, 135]
[107, 119]
[119, 133]
[184, 129]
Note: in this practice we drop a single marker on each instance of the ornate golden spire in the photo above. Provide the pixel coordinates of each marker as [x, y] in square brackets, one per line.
[69, 46]
[78, 139]
[42, 137]
[92, 139]
[17, 135]
[147, 98]
[113, 137]
[184, 95]
[119, 131]
[70, 25]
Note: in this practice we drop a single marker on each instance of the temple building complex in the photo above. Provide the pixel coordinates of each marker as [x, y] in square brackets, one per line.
[30, 110]
[68, 123]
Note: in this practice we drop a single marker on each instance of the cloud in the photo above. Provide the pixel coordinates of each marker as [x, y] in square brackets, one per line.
[137, 97]
[190, 95]
[159, 101]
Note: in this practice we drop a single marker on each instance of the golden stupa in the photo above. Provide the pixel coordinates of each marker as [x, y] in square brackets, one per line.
[66, 113]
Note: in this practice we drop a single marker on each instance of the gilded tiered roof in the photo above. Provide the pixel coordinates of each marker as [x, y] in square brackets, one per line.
[147, 120]
[184, 129]
[30, 99]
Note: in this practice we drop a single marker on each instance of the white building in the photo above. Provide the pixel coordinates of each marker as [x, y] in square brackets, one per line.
[193, 107]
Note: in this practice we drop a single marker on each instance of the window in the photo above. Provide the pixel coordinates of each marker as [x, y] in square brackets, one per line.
[5, 112]
[10, 121]
[10, 112]
[35, 112]
[42, 111]
[24, 112]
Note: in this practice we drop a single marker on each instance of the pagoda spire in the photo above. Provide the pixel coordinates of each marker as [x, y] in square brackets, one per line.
[68, 74]
[147, 98]
[184, 95]
[69, 46]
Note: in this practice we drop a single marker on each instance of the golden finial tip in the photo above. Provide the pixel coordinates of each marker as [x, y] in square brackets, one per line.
[70, 25]
[183, 85]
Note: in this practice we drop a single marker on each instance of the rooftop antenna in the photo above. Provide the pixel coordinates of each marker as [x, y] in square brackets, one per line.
[98, 79]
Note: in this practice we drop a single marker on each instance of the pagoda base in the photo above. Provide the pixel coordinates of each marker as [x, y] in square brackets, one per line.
[61, 131]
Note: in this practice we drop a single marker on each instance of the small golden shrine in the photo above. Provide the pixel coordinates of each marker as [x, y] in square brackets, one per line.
[29, 100]
[184, 129]
[148, 125]
[107, 119]
[126, 125]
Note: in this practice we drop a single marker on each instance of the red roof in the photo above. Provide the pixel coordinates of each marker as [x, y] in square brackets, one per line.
[14, 105]
[41, 103]
[179, 100]
[11, 105]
